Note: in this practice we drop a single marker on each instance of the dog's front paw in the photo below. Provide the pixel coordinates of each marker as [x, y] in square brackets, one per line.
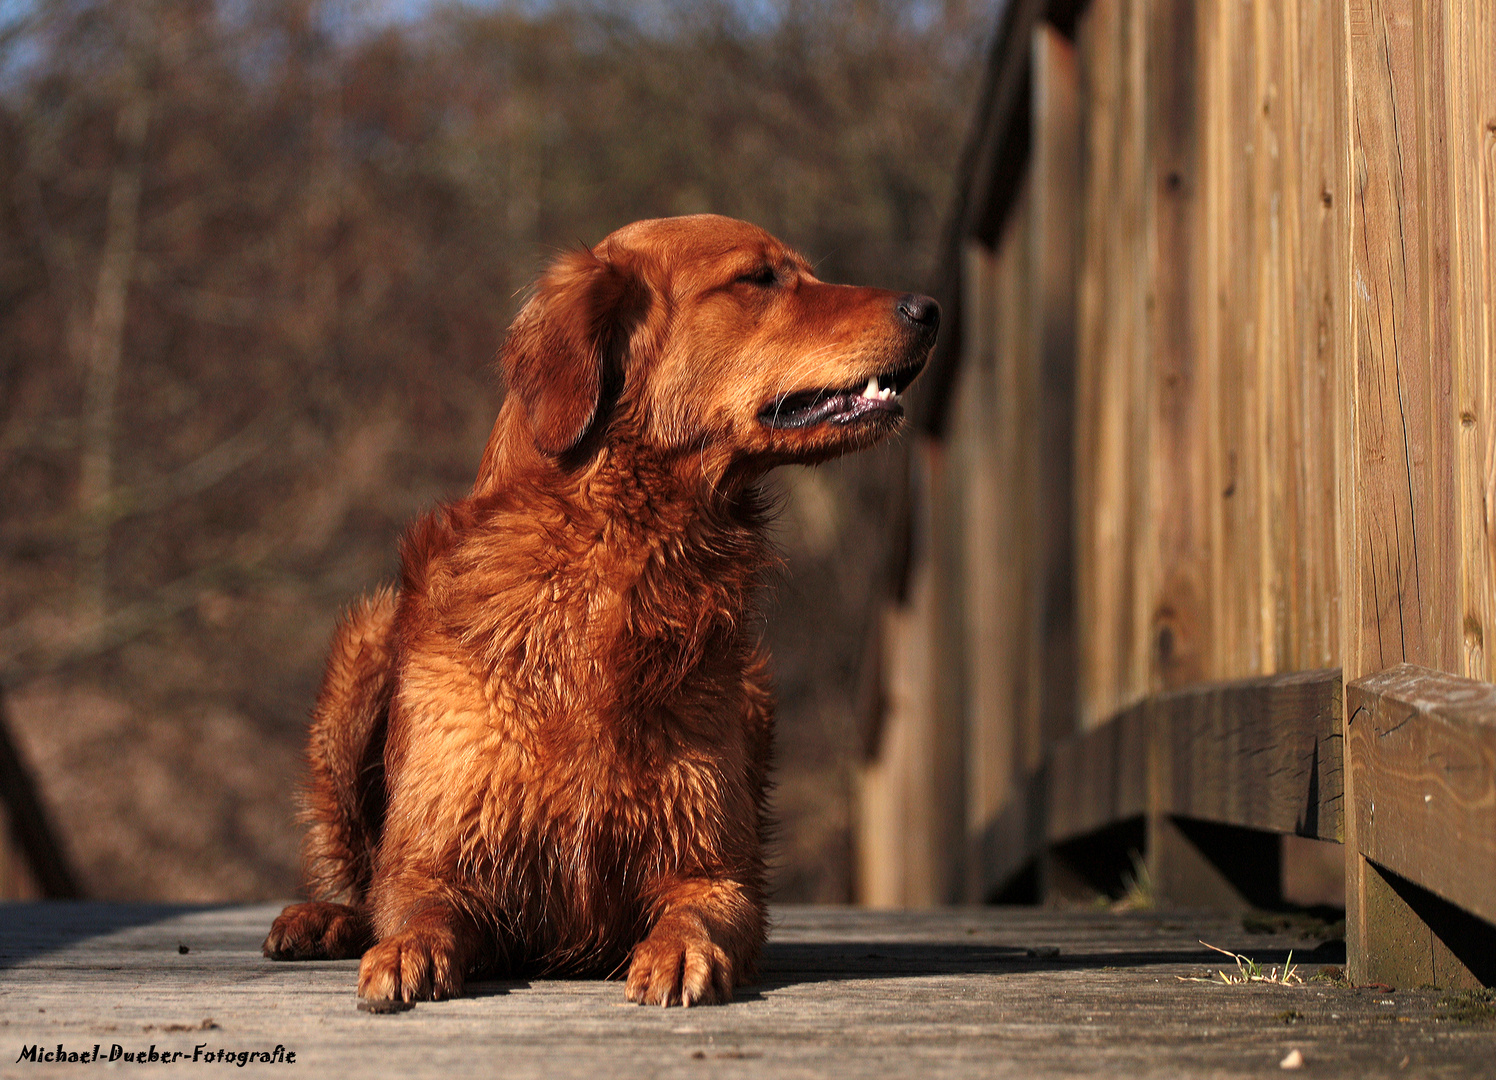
[413, 965]
[671, 967]
[318, 931]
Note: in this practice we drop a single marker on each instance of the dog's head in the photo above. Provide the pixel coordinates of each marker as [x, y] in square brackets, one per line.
[706, 335]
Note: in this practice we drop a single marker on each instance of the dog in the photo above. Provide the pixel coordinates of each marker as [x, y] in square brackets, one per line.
[547, 751]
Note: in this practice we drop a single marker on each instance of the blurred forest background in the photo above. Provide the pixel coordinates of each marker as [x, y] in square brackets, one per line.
[255, 261]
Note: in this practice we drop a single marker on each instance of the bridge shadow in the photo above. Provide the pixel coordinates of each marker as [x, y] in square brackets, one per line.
[29, 929]
[798, 963]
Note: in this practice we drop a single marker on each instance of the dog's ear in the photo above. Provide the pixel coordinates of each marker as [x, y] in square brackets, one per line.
[560, 343]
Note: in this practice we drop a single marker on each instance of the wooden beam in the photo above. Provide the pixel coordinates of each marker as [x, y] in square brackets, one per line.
[1255, 753]
[1215, 769]
[1421, 760]
[1098, 779]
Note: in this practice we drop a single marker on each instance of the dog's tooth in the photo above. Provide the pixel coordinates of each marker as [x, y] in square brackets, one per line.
[871, 390]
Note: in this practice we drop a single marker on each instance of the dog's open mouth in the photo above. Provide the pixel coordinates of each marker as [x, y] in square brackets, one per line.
[878, 397]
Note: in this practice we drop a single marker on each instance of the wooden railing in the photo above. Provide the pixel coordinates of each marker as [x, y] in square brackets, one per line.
[1202, 781]
[1208, 459]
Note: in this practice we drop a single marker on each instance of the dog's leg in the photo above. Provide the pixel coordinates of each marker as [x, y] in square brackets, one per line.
[704, 941]
[318, 931]
[427, 954]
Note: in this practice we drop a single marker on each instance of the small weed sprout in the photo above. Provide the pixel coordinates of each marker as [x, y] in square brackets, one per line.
[1248, 971]
[1138, 893]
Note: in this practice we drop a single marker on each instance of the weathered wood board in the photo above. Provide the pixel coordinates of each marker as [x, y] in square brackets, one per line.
[845, 993]
[1421, 755]
[1256, 753]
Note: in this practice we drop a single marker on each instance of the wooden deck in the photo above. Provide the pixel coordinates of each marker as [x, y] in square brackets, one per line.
[992, 992]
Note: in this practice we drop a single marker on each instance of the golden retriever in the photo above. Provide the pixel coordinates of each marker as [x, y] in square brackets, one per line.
[546, 751]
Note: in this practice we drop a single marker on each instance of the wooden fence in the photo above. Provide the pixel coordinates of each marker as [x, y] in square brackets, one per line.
[1207, 463]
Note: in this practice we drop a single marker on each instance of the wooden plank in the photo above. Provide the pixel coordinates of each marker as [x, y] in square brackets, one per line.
[894, 826]
[1409, 937]
[1471, 107]
[1113, 395]
[942, 783]
[990, 768]
[1421, 767]
[990, 173]
[1017, 554]
[1230, 325]
[1317, 224]
[1274, 182]
[1178, 628]
[1400, 580]
[1096, 62]
[1099, 778]
[911, 839]
[1005, 993]
[1293, 164]
[1257, 754]
[1054, 198]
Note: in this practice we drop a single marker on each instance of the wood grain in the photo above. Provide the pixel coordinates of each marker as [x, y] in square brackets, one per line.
[1112, 434]
[988, 662]
[1256, 753]
[1234, 267]
[1421, 757]
[1401, 586]
[1002, 993]
[1471, 145]
[1054, 193]
[1098, 778]
[1180, 375]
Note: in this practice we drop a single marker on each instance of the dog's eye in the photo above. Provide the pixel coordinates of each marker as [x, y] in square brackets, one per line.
[763, 276]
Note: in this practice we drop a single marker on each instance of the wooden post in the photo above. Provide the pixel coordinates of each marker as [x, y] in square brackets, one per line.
[1421, 829]
[1419, 536]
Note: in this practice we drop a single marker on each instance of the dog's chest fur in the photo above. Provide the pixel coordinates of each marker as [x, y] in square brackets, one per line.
[582, 715]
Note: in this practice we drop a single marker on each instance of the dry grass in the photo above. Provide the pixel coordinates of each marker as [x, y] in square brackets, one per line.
[1248, 971]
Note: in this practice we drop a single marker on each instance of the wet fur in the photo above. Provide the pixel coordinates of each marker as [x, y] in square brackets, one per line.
[548, 750]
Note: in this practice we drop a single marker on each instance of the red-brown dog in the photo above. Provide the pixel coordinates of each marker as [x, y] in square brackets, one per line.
[547, 751]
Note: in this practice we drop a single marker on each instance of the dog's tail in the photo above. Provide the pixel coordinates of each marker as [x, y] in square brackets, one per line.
[344, 806]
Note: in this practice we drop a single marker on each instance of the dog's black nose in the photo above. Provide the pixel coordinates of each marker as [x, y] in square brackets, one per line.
[920, 310]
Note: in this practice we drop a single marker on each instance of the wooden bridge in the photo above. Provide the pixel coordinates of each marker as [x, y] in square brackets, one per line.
[980, 992]
[1199, 538]
[1199, 552]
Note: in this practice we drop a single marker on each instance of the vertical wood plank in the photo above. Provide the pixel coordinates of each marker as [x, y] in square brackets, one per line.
[1471, 106]
[1231, 328]
[1096, 37]
[1054, 199]
[1018, 554]
[942, 783]
[1178, 634]
[1401, 586]
[1275, 240]
[990, 737]
[1134, 273]
[899, 841]
[1318, 219]
[1112, 437]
